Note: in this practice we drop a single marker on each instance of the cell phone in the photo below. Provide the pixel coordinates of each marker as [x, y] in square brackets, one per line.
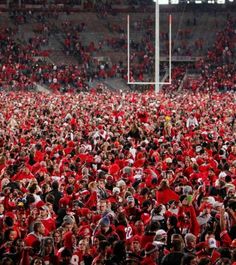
[189, 198]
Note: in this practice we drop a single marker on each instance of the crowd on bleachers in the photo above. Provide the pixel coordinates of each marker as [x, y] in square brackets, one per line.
[24, 65]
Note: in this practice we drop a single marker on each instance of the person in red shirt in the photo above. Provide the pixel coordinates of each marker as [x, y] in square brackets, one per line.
[123, 229]
[46, 219]
[81, 255]
[131, 211]
[151, 254]
[34, 238]
[210, 249]
[139, 228]
[103, 251]
[106, 229]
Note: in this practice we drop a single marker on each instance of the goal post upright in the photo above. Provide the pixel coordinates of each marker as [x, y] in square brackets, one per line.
[157, 47]
[157, 82]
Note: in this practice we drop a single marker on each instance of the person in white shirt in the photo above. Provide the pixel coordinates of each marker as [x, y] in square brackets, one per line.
[192, 122]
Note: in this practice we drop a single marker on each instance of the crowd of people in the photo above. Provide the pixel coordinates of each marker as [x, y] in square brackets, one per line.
[218, 70]
[117, 178]
[113, 177]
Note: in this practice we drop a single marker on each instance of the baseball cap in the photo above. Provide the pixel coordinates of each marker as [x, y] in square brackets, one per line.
[160, 234]
[212, 243]
[68, 220]
[130, 199]
[120, 183]
[105, 221]
[168, 160]
[115, 190]
[150, 248]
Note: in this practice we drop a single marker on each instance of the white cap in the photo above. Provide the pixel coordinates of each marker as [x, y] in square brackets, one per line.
[161, 233]
[130, 161]
[115, 189]
[187, 189]
[217, 204]
[222, 174]
[168, 160]
[212, 243]
[120, 183]
[198, 149]
[211, 200]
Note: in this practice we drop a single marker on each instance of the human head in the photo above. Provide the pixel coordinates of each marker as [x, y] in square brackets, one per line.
[6, 261]
[66, 255]
[190, 241]
[130, 201]
[160, 237]
[103, 246]
[105, 224]
[1, 208]
[102, 206]
[10, 235]
[47, 246]
[39, 228]
[172, 221]
[82, 245]
[136, 243]
[57, 236]
[139, 227]
[43, 211]
[189, 259]
[176, 243]
[151, 250]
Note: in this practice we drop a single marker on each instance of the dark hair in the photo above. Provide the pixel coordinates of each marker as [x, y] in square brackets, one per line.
[30, 199]
[204, 261]
[102, 245]
[7, 234]
[6, 260]
[225, 253]
[177, 244]
[186, 259]
[50, 198]
[55, 185]
[33, 260]
[8, 221]
[45, 242]
[173, 220]
[66, 253]
[119, 249]
[69, 190]
[36, 226]
[234, 255]
[32, 188]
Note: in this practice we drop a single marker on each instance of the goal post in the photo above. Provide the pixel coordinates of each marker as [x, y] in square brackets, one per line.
[157, 82]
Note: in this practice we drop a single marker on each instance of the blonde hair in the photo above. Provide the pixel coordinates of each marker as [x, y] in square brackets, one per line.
[164, 184]
[92, 185]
